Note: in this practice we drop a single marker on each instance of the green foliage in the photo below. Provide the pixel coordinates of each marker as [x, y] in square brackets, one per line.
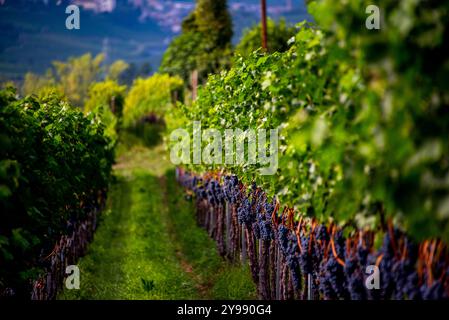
[278, 36]
[73, 79]
[295, 90]
[7, 84]
[204, 44]
[77, 75]
[153, 95]
[405, 66]
[213, 21]
[116, 70]
[148, 285]
[105, 102]
[53, 164]
[181, 57]
[34, 83]
[53, 92]
[363, 115]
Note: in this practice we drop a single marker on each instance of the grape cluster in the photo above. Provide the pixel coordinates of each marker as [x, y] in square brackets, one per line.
[282, 238]
[215, 194]
[402, 270]
[412, 289]
[193, 183]
[435, 291]
[385, 267]
[266, 229]
[305, 256]
[325, 286]
[332, 276]
[263, 226]
[244, 212]
[231, 189]
[362, 254]
[289, 248]
[321, 233]
[354, 277]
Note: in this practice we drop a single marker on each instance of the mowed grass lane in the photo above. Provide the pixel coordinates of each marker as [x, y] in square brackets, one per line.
[148, 245]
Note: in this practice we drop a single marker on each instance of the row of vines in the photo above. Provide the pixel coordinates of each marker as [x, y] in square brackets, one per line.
[55, 170]
[362, 116]
[309, 260]
[55, 166]
[363, 155]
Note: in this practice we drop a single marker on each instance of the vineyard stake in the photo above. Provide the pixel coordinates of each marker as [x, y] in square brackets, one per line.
[278, 273]
[206, 220]
[243, 245]
[264, 25]
[212, 222]
[228, 227]
[194, 83]
[261, 280]
[309, 287]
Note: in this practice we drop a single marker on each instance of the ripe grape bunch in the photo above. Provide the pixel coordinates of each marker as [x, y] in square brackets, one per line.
[289, 248]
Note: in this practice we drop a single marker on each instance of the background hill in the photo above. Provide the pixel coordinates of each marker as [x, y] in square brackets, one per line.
[33, 32]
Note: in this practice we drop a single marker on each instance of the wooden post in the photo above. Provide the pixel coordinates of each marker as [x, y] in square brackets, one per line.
[264, 25]
[194, 83]
[261, 273]
[228, 227]
[212, 222]
[243, 245]
[112, 105]
[309, 287]
[278, 273]
[206, 222]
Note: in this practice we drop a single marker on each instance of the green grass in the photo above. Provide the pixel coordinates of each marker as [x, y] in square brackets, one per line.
[148, 245]
[217, 278]
[132, 245]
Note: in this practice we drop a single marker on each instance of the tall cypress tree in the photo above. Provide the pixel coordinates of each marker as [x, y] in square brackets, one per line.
[214, 21]
[204, 44]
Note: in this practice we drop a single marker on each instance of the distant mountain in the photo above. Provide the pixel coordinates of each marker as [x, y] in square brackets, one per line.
[33, 33]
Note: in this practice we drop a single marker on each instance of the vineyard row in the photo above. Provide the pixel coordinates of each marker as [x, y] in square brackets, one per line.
[307, 260]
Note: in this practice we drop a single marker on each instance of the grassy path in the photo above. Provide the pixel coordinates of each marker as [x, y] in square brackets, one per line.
[148, 245]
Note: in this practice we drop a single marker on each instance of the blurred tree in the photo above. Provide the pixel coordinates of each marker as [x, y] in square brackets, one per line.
[145, 70]
[150, 96]
[33, 83]
[108, 93]
[278, 36]
[116, 70]
[189, 23]
[214, 22]
[181, 56]
[77, 75]
[54, 91]
[106, 101]
[127, 77]
[134, 71]
[7, 84]
[204, 44]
